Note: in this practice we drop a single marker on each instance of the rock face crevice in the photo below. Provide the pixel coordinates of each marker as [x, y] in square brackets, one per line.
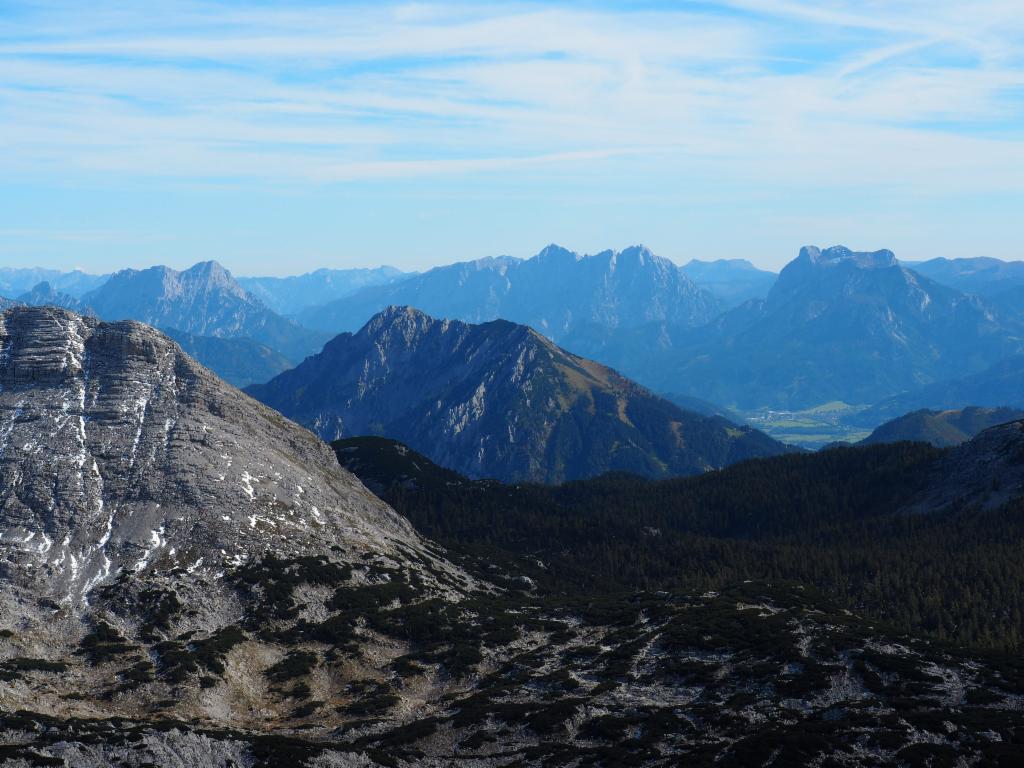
[119, 453]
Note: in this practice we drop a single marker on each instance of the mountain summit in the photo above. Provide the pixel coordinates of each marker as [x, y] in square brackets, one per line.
[499, 400]
[839, 255]
[204, 300]
[837, 325]
[559, 292]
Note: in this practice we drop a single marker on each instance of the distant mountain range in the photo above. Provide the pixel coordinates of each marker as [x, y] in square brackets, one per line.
[234, 326]
[15, 281]
[984, 277]
[291, 295]
[732, 281]
[558, 292]
[942, 428]
[837, 325]
[499, 400]
[999, 283]
[44, 294]
[998, 385]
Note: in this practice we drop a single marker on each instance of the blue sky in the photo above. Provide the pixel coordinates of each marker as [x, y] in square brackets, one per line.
[279, 138]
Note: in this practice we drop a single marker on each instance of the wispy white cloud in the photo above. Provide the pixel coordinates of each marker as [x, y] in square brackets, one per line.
[757, 88]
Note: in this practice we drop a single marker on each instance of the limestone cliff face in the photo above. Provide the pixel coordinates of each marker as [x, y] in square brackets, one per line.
[120, 454]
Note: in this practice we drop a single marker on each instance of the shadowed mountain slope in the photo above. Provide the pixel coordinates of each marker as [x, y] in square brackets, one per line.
[499, 400]
[942, 428]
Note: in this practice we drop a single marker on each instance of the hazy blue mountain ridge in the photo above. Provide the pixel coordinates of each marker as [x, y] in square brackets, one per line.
[557, 292]
[292, 294]
[203, 300]
[15, 281]
[733, 281]
[982, 276]
[837, 325]
[44, 294]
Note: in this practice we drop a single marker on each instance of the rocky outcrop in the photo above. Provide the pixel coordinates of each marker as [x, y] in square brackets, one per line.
[120, 454]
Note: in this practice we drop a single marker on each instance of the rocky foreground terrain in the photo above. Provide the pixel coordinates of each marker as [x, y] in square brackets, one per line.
[188, 579]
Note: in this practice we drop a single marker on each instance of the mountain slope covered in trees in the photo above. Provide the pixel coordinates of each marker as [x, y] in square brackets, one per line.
[914, 536]
[942, 428]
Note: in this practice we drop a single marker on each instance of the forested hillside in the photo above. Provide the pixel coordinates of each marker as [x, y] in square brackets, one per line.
[831, 519]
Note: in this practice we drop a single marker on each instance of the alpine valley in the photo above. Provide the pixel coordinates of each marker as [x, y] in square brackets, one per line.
[313, 455]
[190, 579]
[835, 345]
[514, 512]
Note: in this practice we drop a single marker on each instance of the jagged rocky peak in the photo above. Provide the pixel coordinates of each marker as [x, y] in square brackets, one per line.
[638, 253]
[555, 252]
[164, 283]
[44, 294]
[640, 258]
[634, 255]
[500, 264]
[840, 254]
[836, 267]
[409, 325]
[404, 317]
[211, 274]
[119, 454]
[402, 328]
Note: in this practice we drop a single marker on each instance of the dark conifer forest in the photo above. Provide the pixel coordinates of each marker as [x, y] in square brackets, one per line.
[831, 519]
